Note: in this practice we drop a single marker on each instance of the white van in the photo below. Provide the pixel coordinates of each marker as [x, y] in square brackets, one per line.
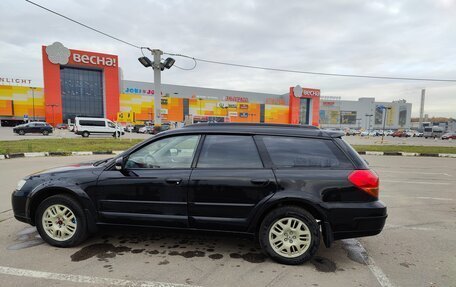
[85, 126]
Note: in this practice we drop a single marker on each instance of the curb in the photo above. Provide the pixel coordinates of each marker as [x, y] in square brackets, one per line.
[116, 152]
[401, 153]
[57, 153]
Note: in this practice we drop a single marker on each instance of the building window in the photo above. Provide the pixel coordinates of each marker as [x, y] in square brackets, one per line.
[82, 93]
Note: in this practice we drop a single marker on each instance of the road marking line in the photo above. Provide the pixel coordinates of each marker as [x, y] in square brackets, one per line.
[393, 226]
[418, 197]
[357, 250]
[416, 182]
[84, 279]
[407, 172]
[434, 198]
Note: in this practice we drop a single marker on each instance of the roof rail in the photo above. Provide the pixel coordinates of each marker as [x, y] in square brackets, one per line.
[252, 124]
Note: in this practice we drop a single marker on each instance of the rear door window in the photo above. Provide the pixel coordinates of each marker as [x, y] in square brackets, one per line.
[295, 152]
[229, 151]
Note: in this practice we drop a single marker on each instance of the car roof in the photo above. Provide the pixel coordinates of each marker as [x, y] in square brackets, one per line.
[251, 128]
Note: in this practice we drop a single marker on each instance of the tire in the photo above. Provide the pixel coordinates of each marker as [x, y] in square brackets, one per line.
[21, 132]
[85, 134]
[296, 217]
[61, 239]
[45, 133]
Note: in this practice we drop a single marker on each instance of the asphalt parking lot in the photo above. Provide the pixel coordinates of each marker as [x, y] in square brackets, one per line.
[6, 134]
[416, 248]
[388, 140]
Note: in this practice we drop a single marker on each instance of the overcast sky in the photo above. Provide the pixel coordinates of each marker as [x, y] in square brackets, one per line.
[389, 38]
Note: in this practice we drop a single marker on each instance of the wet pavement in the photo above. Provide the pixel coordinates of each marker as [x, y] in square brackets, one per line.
[415, 249]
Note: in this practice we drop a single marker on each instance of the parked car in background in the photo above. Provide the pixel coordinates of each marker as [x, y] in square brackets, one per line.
[145, 129]
[400, 134]
[433, 132]
[136, 128]
[352, 132]
[364, 133]
[291, 187]
[389, 132]
[447, 136]
[163, 127]
[62, 126]
[33, 128]
[87, 126]
[128, 128]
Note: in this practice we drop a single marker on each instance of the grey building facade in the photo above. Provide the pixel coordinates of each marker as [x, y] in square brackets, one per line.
[365, 114]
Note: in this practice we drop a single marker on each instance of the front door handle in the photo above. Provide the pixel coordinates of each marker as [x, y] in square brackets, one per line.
[175, 181]
[260, 181]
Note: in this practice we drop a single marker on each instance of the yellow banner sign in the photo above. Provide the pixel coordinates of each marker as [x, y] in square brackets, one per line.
[126, 117]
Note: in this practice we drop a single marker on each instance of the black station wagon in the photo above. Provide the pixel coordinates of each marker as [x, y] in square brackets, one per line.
[288, 185]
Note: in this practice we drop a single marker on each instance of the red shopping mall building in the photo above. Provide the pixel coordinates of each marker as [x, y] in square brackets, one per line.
[83, 83]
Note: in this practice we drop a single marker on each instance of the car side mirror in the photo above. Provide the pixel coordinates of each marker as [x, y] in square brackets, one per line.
[119, 163]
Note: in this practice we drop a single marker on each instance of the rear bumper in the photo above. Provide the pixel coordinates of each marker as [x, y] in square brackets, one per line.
[348, 220]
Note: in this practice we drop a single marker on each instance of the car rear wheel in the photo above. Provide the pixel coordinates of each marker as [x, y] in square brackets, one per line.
[21, 132]
[60, 221]
[85, 134]
[290, 235]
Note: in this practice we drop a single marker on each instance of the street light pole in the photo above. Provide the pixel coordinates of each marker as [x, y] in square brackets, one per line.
[385, 109]
[33, 101]
[157, 86]
[158, 66]
[368, 121]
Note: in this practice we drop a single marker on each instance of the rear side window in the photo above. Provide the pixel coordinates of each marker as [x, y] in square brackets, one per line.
[289, 152]
[226, 151]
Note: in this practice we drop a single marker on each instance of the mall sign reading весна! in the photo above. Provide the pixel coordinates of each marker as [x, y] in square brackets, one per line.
[59, 54]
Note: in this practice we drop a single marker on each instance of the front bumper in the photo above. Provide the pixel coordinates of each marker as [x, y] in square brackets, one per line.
[18, 202]
[348, 220]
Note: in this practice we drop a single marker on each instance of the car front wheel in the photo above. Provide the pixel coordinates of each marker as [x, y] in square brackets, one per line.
[45, 133]
[290, 235]
[85, 134]
[22, 132]
[60, 221]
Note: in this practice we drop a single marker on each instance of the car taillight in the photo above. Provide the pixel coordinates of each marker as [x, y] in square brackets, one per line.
[367, 180]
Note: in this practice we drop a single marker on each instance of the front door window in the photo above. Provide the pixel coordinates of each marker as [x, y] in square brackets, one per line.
[172, 152]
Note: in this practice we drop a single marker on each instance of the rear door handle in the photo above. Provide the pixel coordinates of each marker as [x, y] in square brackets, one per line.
[175, 181]
[260, 181]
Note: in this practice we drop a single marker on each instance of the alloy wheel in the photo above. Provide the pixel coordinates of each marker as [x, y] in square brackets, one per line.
[59, 222]
[290, 237]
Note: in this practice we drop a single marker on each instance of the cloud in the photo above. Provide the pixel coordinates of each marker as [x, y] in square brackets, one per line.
[399, 38]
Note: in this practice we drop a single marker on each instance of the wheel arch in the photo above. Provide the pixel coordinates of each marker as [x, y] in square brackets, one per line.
[298, 202]
[82, 199]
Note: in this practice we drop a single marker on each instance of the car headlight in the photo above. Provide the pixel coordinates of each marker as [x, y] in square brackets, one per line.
[20, 184]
